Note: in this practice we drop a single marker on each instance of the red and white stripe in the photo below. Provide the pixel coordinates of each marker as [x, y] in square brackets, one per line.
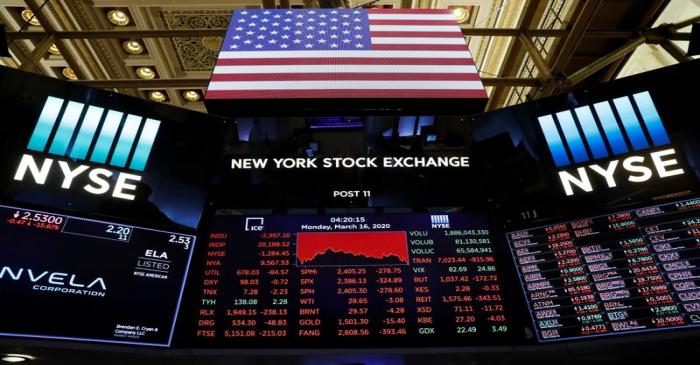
[416, 53]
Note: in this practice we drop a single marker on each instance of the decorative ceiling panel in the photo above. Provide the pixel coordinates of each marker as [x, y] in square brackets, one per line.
[196, 53]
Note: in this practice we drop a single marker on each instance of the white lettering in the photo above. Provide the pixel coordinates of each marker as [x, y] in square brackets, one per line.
[73, 283]
[98, 281]
[582, 182]
[33, 278]
[661, 164]
[58, 278]
[629, 165]
[122, 185]
[248, 163]
[102, 184]
[68, 174]
[634, 165]
[39, 175]
[14, 276]
[607, 173]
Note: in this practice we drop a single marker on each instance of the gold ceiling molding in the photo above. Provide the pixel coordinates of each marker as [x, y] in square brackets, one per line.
[192, 53]
[491, 23]
[508, 18]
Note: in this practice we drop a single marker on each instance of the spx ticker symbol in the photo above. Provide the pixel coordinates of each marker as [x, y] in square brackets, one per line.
[74, 136]
[563, 123]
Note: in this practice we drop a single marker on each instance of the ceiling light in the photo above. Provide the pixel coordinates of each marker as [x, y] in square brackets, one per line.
[54, 50]
[133, 47]
[118, 17]
[29, 17]
[157, 95]
[461, 14]
[69, 73]
[145, 73]
[191, 95]
[15, 358]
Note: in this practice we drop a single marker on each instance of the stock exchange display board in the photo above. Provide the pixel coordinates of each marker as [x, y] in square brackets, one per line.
[630, 271]
[349, 280]
[66, 277]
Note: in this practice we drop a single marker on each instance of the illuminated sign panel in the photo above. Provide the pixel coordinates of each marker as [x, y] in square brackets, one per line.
[397, 55]
[98, 152]
[629, 271]
[583, 141]
[592, 135]
[67, 277]
[349, 280]
[76, 143]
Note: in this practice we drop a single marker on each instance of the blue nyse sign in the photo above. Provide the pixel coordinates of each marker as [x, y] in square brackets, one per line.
[75, 131]
[628, 125]
[89, 119]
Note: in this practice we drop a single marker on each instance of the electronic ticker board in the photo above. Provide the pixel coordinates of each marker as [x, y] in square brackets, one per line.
[349, 280]
[629, 271]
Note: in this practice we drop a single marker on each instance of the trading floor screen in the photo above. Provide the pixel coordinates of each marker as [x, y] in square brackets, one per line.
[629, 271]
[371, 280]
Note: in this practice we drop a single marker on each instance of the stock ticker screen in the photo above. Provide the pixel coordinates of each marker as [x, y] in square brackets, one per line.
[349, 280]
[629, 271]
[72, 278]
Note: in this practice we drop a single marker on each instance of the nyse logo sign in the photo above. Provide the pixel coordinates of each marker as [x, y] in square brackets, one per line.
[574, 137]
[439, 221]
[89, 133]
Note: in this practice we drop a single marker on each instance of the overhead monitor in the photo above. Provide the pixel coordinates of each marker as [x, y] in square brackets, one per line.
[311, 62]
[597, 191]
[92, 151]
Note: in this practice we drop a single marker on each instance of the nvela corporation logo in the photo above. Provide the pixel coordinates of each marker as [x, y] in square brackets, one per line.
[630, 125]
[56, 282]
[73, 131]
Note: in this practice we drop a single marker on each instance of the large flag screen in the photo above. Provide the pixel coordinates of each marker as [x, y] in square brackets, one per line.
[344, 53]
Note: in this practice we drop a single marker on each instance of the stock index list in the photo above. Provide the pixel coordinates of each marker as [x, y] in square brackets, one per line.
[625, 272]
[349, 280]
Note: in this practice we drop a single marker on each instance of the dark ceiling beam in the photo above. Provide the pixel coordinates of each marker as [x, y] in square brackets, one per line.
[655, 35]
[675, 51]
[604, 61]
[646, 21]
[40, 12]
[200, 83]
[515, 53]
[145, 84]
[170, 33]
[578, 30]
[38, 53]
[565, 51]
[685, 23]
[660, 35]
[536, 56]
[125, 34]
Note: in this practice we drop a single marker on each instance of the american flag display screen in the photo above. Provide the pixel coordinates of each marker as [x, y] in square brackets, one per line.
[349, 280]
[344, 53]
[71, 278]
